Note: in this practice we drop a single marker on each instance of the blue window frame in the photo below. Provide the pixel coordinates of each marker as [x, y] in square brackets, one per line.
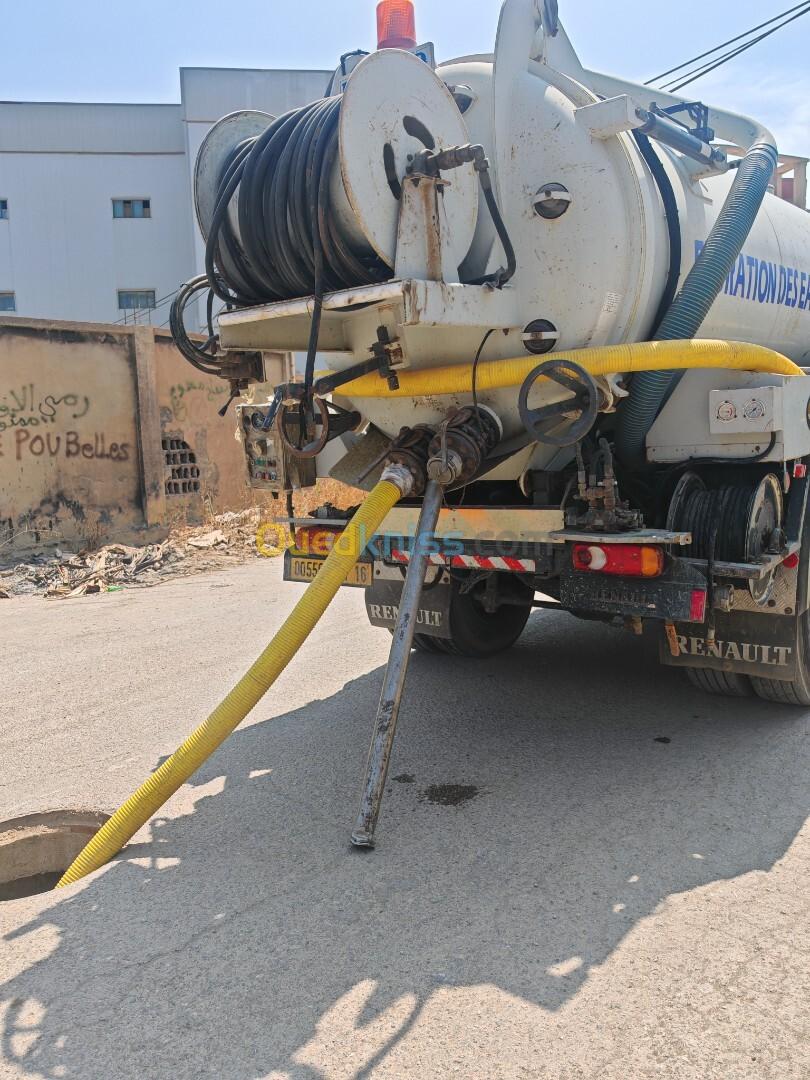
[8, 301]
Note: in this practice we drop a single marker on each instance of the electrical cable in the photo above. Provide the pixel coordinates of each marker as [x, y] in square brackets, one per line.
[717, 48]
[476, 362]
[200, 356]
[699, 73]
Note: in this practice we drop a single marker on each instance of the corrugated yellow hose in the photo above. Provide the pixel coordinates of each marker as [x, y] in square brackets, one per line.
[611, 360]
[199, 746]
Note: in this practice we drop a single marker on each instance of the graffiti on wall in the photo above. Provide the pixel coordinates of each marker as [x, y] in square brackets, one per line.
[26, 415]
[180, 391]
[25, 407]
[69, 445]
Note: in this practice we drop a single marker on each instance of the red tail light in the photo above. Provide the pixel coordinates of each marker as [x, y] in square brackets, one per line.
[315, 540]
[623, 560]
[396, 24]
[697, 608]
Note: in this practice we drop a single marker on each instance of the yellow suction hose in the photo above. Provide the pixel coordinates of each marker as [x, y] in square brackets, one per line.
[199, 746]
[456, 379]
[611, 360]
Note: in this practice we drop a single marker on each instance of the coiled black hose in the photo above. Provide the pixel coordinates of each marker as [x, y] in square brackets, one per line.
[203, 357]
[290, 240]
[289, 243]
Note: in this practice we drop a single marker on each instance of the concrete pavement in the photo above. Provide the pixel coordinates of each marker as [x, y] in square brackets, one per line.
[604, 906]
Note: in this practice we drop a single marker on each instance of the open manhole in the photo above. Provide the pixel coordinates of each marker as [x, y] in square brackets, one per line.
[36, 850]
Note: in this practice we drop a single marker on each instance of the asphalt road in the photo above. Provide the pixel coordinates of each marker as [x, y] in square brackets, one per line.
[604, 905]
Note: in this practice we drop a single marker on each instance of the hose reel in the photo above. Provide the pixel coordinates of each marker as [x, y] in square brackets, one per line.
[738, 523]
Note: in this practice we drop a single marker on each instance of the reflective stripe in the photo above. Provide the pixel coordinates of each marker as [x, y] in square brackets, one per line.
[474, 562]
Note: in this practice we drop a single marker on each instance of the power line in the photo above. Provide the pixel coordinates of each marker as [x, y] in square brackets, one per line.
[731, 41]
[710, 65]
[699, 73]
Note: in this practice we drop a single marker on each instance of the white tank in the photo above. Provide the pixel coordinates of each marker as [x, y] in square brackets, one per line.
[596, 273]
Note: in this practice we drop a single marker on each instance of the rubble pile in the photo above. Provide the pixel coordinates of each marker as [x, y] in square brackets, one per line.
[225, 541]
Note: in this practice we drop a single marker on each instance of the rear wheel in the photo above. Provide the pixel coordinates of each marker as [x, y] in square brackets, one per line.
[723, 683]
[739, 523]
[426, 643]
[797, 691]
[476, 632]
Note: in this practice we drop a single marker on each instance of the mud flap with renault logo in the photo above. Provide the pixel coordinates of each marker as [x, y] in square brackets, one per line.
[382, 601]
[749, 643]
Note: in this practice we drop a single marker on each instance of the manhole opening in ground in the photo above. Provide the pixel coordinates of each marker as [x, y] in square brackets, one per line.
[36, 850]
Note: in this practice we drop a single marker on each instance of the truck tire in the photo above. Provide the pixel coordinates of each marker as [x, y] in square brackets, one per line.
[475, 632]
[796, 692]
[721, 683]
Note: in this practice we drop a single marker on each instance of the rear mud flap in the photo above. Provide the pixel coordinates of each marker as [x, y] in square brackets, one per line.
[382, 606]
[746, 643]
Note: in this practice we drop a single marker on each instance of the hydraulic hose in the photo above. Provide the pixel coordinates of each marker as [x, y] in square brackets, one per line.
[288, 236]
[199, 746]
[289, 242]
[703, 285]
[649, 356]
[672, 214]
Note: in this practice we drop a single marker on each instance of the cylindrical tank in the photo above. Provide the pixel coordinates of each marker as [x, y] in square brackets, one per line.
[582, 207]
[598, 271]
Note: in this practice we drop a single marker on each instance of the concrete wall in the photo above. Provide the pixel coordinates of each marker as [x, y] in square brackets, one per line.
[108, 434]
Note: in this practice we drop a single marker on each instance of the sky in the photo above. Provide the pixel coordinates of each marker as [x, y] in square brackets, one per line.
[116, 50]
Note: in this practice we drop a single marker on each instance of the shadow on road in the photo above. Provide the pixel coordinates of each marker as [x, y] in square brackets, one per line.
[248, 937]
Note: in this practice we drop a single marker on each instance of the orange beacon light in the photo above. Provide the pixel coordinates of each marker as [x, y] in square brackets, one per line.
[396, 24]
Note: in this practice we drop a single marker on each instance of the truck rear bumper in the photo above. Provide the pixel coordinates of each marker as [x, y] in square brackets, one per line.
[679, 595]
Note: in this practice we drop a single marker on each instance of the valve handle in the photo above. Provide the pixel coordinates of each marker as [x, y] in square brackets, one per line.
[332, 420]
[292, 438]
[581, 407]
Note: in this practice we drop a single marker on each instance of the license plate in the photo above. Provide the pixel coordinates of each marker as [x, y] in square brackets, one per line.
[298, 568]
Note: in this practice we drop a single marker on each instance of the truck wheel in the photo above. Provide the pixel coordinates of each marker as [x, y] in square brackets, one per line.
[722, 683]
[796, 692]
[426, 643]
[478, 633]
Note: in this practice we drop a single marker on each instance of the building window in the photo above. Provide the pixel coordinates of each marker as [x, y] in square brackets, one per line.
[132, 208]
[136, 299]
[3, 209]
[8, 301]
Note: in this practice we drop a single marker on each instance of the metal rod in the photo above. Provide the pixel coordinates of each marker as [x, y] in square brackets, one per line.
[385, 726]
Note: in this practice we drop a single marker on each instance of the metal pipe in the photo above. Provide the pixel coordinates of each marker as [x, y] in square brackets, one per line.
[385, 725]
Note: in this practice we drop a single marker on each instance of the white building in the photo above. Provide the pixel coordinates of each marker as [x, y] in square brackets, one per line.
[96, 212]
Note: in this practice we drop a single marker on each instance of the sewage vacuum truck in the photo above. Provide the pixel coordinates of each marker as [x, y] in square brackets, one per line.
[554, 323]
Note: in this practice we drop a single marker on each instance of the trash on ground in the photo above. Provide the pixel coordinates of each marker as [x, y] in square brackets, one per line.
[59, 575]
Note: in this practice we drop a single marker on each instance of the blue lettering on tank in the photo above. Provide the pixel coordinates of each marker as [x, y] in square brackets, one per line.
[761, 281]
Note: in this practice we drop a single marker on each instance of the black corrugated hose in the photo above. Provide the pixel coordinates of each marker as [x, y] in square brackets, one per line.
[290, 243]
